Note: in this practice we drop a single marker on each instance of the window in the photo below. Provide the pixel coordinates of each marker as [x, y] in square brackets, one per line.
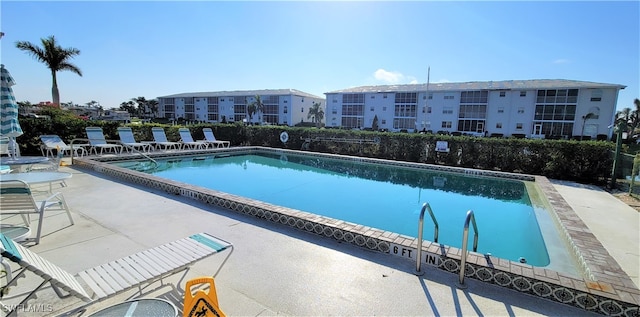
[430, 96]
[333, 111]
[501, 110]
[499, 125]
[471, 125]
[446, 124]
[353, 98]
[521, 110]
[405, 111]
[384, 96]
[447, 110]
[557, 96]
[286, 109]
[518, 126]
[477, 96]
[503, 93]
[428, 109]
[523, 93]
[302, 109]
[383, 121]
[335, 100]
[384, 108]
[404, 123]
[373, 97]
[285, 101]
[472, 111]
[371, 109]
[448, 97]
[596, 95]
[406, 97]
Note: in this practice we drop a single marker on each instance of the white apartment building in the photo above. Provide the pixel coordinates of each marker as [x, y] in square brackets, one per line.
[281, 106]
[541, 108]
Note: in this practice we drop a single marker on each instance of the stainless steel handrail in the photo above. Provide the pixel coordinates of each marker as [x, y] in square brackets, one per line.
[465, 237]
[425, 206]
[139, 152]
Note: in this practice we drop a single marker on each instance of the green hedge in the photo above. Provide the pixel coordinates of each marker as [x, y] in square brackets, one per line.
[581, 161]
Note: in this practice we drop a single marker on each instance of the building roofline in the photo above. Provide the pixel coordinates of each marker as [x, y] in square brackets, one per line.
[234, 93]
[480, 85]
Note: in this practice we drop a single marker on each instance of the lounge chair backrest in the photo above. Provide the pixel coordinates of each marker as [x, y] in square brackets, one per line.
[95, 135]
[159, 135]
[185, 135]
[53, 141]
[16, 196]
[208, 134]
[126, 135]
[16, 199]
[4, 146]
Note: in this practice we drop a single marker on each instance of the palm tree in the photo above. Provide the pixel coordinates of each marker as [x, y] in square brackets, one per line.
[316, 114]
[142, 105]
[153, 107]
[55, 57]
[254, 107]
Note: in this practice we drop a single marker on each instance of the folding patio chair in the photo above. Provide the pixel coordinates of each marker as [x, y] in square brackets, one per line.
[17, 199]
[98, 141]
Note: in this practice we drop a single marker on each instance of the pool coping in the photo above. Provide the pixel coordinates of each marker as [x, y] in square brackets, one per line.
[604, 287]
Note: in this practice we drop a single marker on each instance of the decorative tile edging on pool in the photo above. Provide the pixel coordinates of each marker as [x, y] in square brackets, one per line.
[607, 289]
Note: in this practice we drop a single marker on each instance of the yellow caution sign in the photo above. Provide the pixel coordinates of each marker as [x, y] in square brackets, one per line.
[201, 304]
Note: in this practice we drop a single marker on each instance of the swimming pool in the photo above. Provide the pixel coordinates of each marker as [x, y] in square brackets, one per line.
[376, 195]
[575, 276]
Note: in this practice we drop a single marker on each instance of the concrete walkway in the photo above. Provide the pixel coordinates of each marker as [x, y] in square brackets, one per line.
[275, 270]
[614, 223]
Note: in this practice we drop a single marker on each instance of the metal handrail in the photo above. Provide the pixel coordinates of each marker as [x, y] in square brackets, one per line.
[465, 237]
[140, 152]
[425, 206]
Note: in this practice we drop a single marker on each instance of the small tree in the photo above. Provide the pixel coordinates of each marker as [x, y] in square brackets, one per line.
[374, 125]
[254, 107]
[316, 114]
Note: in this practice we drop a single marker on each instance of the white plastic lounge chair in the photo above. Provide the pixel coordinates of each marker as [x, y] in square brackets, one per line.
[160, 140]
[16, 199]
[187, 140]
[98, 141]
[129, 141]
[209, 137]
[104, 281]
[52, 142]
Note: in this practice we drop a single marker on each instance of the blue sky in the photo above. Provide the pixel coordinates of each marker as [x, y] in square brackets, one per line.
[156, 48]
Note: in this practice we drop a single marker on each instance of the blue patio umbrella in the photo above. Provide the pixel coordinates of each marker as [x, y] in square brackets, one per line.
[9, 125]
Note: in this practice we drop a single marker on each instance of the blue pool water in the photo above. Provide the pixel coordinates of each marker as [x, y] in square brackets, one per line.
[379, 196]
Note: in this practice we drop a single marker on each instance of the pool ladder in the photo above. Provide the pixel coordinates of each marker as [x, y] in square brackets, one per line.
[470, 218]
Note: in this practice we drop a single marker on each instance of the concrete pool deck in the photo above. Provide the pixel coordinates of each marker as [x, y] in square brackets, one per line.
[277, 270]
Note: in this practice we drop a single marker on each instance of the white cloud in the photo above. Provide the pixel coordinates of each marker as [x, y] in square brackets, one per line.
[391, 77]
[387, 76]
